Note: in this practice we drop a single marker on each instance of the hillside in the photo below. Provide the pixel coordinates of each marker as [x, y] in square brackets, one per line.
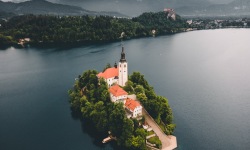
[44, 29]
[134, 7]
[235, 8]
[182, 7]
[45, 7]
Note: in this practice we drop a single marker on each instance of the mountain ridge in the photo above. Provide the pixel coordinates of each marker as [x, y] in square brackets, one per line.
[132, 8]
[234, 8]
[46, 7]
[182, 7]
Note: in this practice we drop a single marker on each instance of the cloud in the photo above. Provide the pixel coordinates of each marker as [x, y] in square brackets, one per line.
[16, 1]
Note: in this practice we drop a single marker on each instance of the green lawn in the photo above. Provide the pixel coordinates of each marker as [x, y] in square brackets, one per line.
[150, 133]
[155, 140]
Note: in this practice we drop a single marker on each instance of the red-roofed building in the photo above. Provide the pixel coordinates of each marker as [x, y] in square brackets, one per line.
[171, 13]
[118, 74]
[117, 94]
[134, 107]
[110, 75]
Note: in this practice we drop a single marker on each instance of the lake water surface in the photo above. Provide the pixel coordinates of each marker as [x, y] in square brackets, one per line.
[204, 74]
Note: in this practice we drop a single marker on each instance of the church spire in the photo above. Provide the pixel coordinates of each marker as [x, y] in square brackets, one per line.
[122, 55]
[115, 65]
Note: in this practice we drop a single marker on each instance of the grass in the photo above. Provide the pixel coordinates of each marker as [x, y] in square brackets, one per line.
[155, 140]
[150, 133]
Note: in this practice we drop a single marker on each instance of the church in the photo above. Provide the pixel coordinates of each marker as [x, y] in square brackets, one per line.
[117, 74]
[116, 77]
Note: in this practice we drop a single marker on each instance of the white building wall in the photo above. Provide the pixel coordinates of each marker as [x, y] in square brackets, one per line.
[118, 98]
[111, 81]
[137, 111]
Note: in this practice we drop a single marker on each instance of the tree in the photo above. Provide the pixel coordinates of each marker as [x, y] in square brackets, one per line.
[141, 132]
[43, 29]
[142, 98]
[138, 78]
[90, 97]
[138, 143]
[126, 133]
[87, 109]
[107, 66]
[129, 87]
[99, 116]
[170, 129]
[167, 115]
[139, 89]
[6, 40]
[75, 101]
[116, 119]
[135, 124]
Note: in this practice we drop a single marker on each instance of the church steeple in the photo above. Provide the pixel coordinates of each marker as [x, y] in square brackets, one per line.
[123, 69]
[122, 55]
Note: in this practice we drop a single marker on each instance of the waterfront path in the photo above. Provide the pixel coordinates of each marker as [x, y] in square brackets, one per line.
[168, 142]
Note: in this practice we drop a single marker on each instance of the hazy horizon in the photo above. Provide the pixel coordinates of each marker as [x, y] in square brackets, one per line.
[213, 1]
[136, 7]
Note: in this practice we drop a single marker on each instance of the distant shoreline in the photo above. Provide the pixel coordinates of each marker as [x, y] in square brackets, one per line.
[42, 31]
[88, 43]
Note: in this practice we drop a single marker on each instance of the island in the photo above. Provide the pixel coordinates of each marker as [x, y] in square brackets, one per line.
[125, 107]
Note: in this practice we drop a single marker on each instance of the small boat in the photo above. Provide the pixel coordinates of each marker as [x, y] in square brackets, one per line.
[106, 139]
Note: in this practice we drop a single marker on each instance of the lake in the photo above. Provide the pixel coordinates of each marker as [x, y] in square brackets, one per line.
[204, 74]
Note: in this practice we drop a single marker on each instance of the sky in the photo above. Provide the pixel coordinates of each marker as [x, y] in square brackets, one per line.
[131, 8]
[214, 1]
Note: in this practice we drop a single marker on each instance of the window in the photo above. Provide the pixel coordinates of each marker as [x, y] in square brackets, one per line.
[125, 66]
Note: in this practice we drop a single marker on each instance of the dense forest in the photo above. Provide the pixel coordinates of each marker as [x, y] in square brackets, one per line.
[157, 106]
[90, 98]
[46, 29]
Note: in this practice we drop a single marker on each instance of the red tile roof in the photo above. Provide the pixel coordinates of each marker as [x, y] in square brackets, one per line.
[131, 104]
[109, 73]
[116, 90]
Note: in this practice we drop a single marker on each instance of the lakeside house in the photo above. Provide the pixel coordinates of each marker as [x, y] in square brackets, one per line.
[117, 94]
[23, 41]
[134, 108]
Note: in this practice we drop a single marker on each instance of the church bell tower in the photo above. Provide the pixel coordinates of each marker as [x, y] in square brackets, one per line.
[123, 69]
